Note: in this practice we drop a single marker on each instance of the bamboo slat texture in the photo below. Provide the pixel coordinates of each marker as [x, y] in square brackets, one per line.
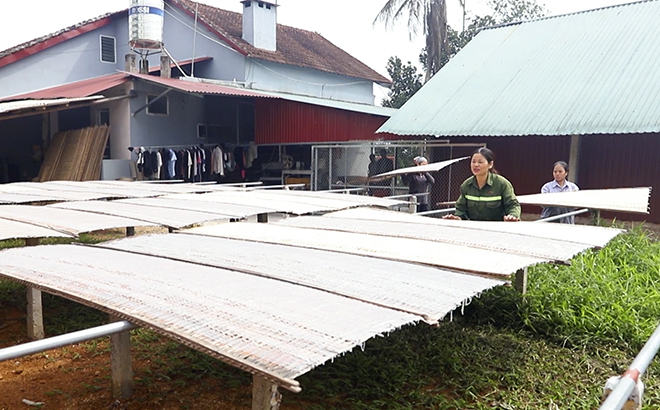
[170, 217]
[354, 199]
[387, 247]
[65, 220]
[593, 236]
[20, 230]
[75, 155]
[276, 204]
[504, 243]
[193, 203]
[634, 200]
[127, 190]
[28, 192]
[427, 292]
[276, 329]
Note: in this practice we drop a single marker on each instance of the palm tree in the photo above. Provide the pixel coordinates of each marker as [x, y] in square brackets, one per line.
[432, 16]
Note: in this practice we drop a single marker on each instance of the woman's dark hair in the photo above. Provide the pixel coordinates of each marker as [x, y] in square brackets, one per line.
[489, 155]
[563, 165]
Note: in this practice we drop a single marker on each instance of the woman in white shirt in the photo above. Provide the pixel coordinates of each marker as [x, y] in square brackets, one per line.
[559, 184]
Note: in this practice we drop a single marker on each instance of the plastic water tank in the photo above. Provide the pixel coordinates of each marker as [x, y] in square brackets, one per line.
[145, 24]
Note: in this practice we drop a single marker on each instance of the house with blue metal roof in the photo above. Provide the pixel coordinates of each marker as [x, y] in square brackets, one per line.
[581, 87]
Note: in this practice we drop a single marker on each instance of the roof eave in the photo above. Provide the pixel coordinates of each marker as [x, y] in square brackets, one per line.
[48, 42]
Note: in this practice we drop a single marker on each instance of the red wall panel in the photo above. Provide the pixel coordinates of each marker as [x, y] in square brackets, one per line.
[606, 161]
[526, 161]
[284, 122]
[622, 161]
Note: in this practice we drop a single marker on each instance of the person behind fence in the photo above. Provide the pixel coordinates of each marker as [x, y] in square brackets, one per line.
[559, 184]
[418, 183]
[383, 164]
[372, 170]
[486, 195]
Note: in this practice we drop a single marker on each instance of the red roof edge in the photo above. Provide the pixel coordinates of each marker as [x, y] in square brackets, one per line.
[53, 41]
[77, 89]
[210, 28]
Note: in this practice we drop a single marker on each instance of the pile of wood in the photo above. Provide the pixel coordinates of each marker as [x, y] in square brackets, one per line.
[75, 155]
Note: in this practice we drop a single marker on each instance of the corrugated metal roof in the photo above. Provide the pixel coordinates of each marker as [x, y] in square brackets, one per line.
[265, 326]
[20, 230]
[64, 220]
[197, 86]
[341, 105]
[431, 293]
[17, 106]
[635, 200]
[77, 89]
[593, 72]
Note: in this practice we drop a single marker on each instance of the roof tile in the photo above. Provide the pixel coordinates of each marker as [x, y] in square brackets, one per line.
[295, 46]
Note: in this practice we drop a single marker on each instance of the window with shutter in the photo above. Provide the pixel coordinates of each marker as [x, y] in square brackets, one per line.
[108, 50]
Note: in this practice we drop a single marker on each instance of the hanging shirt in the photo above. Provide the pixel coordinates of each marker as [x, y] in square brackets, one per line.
[217, 162]
[171, 164]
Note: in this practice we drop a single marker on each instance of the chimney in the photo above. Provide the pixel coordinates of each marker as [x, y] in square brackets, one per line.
[260, 23]
[165, 66]
[130, 63]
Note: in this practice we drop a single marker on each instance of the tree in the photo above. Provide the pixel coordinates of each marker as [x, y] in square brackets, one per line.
[504, 11]
[405, 83]
[405, 80]
[431, 15]
[507, 11]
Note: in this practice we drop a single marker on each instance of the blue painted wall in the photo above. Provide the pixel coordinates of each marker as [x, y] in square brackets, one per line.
[79, 58]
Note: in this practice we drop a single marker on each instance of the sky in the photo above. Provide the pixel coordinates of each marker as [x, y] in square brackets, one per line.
[349, 24]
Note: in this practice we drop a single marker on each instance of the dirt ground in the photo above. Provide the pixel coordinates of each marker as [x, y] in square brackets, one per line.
[78, 377]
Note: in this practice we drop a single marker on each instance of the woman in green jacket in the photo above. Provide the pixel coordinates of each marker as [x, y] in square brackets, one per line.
[486, 196]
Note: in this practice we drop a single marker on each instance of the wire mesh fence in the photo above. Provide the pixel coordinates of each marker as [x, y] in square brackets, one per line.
[349, 165]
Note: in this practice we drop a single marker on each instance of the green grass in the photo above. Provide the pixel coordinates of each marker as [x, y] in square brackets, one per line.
[552, 349]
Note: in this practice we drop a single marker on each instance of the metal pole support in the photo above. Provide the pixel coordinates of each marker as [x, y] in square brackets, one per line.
[120, 363]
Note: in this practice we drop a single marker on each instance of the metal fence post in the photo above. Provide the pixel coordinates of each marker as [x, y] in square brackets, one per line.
[412, 204]
[520, 283]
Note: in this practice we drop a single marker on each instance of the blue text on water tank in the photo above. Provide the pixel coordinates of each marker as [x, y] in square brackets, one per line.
[145, 10]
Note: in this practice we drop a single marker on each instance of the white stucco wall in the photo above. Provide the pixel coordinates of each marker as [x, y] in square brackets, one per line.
[179, 127]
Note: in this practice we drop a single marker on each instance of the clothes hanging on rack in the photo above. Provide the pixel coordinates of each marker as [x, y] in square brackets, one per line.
[217, 161]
